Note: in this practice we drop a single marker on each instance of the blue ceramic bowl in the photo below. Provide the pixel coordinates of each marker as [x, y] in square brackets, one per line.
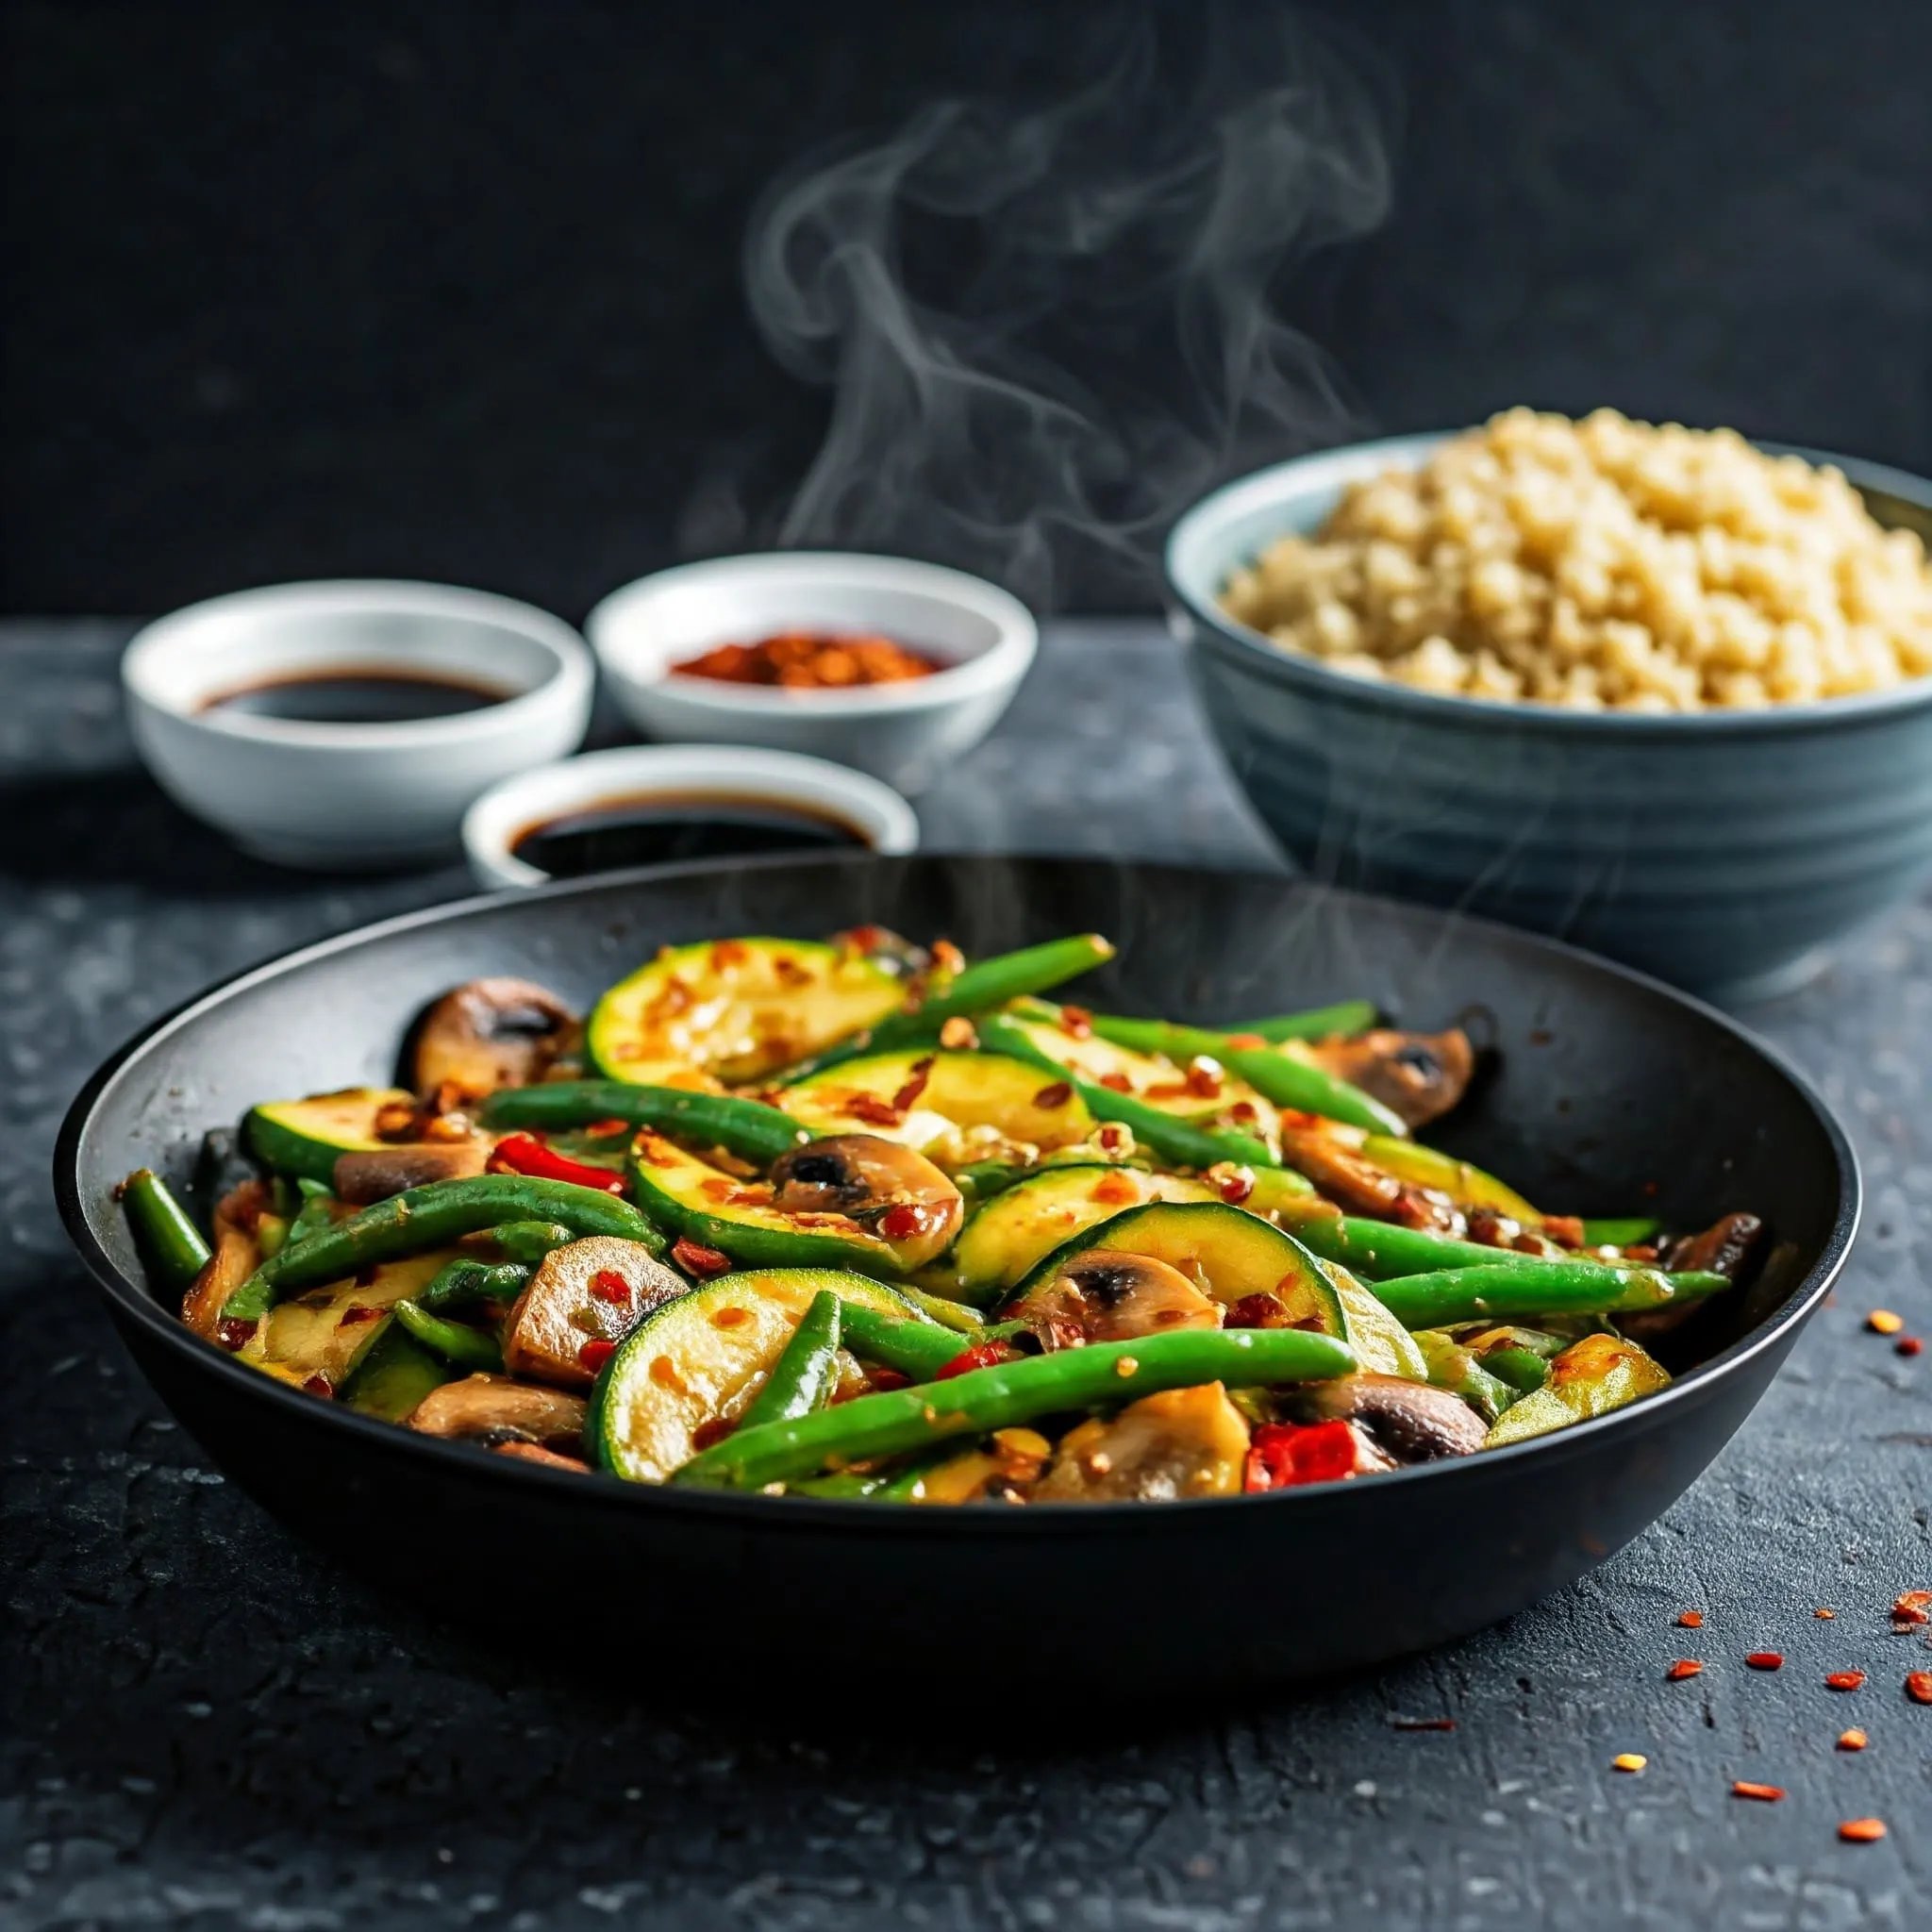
[1719, 850]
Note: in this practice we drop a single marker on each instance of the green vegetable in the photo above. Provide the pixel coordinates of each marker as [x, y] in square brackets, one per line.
[317, 1212]
[918, 1098]
[848, 1485]
[464, 1281]
[1590, 1378]
[171, 1245]
[747, 1128]
[948, 1314]
[528, 1242]
[1628, 1233]
[990, 983]
[1454, 1368]
[469, 1348]
[1229, 1253]
[802, 1378]
[1172, 1139]
[1521, 1367]
[393, 1374]
[424, 1218]
[1319, 1023]
[1465, 1184]
[917, 1349]
[1381, 1251]
[303, 1136]
[1011, 1392]
[1536, 1287]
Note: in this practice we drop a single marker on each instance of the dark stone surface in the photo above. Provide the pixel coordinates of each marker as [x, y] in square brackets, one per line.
[202, 1726]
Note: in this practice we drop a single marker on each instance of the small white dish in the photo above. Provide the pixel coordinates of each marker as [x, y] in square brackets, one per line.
[877, 817]
[350, 796]
[907, 733]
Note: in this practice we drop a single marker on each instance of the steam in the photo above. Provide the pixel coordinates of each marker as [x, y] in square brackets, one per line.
[1048, 330]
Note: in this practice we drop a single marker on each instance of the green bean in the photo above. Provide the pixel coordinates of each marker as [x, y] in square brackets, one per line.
[317, 1212]
[1381, 1251]
[171, 1245]
[1523, 1369]
[1319, 1023]
[802, 1378]
[1536, 1288]
[528, 1242]
[468, 1348]
[420, 1219]
[1015, 1391]
[1171, 1137]
[1628, 1233]
[846, 1485]
[747, 1128]
[953, 1315]
[463, 1281]
[914, 1348]
[1454, 1368]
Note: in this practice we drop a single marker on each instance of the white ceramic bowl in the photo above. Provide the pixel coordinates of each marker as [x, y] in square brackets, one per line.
[907, 734]
[497, 820]
[350, 796]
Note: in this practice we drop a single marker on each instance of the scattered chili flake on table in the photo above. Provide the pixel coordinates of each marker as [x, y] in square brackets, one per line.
[1765, 1795]
[1828, 1615]
[1907, 1344]
[1684, 1667]
[1910, 1600]
[1852, 1740]
[1919, 1687]
[1691, 1620]
[1846, 1680]
[1765, 1660]
[1883, 1322]
[1863, 1831]
[1628, 1760]
[812, 660]
[1423, 1723]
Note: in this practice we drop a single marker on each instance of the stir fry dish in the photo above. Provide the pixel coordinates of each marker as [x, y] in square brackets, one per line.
[861, 1219]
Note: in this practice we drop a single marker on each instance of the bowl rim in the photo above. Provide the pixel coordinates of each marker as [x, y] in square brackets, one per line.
[1000, 666]
[570, 679]
[130, 1300]
[738, 770]
[1212, 627]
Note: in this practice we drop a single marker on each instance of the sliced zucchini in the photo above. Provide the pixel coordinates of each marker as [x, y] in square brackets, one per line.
[1590, 1377]
[303, 1136]
[1147, 1076]
[1350, 1314]
[395, 1374]
[702, 1359]
[692, 1198]
[1008, 1236]
[735, 1009]
[933, 1102]
[327, 1332]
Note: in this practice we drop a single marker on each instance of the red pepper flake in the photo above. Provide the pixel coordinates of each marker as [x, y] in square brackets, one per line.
[883, 1378]
[1233, 1184]
[1684, 1667]
[608, 1285]
[593, 1355]
[1057, 1095]
[1244, 1113]
[984, 1355]
[1844, 1680]
[1910, 1600]
[947, 958]
[1852, 1740]
[1691, 1620]
[1260, 1310]
[915, 1085]
[358, 1313]
[1765, 1795]
[1204, 1078]
[1283, 1455]
[1765, 1660]
[1863, 1831]
[695, 1259]
[1114, 1190]
[957, 1034]
[603, 1130]
[1907, 1344]
[1245, 1042]
[789, 972]
[1113, 1137]
[711, 1430]
[1919, 1687]
[319, 1385]
[1825, 1616]
[234, 1333]
[525, 1155]
[872, 1109]
[1116, 1083]
[902, 1222]
[1422, 1724]
[1076, 1022]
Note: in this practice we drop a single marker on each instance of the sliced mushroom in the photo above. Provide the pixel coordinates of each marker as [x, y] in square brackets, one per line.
[1104, 1294]
[547, 1458]
[492, 1410]
[590, 1291]
[376, 1174]
[488, 1034]
[1181, 1444]
[891, 1189]
[1327, 1157]
[1420, 1075]
[236, 1256]
[1410, 1421]
[1729, 1247]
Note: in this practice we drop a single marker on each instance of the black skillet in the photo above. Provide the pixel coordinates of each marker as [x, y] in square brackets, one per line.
[1609, 1094]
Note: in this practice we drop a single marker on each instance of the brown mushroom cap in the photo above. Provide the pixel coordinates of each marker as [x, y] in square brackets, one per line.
[1104, 1294]
[492, 1410]
[488, 1034]
[1420, 1075]
[375, 1173]
[593, 1290]
[1409, 1420]
[866, 1178]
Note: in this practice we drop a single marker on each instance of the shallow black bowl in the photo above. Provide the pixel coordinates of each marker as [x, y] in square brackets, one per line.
[1612, 1094]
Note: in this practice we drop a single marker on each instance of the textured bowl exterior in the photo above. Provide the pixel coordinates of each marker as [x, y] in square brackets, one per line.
[1720, 851]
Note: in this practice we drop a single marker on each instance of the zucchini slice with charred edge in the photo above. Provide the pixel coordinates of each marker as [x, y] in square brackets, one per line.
[735, 1009]
[303, 1136]
[923, 1098]
[702, 1359]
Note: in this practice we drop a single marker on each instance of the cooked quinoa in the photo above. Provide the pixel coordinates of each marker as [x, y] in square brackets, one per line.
[1603, 565]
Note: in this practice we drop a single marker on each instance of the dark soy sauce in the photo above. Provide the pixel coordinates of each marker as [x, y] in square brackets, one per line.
[651, 828]
[363, 696]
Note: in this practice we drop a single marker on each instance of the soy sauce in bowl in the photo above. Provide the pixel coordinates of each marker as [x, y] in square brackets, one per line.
[358, 695]
[657, 827]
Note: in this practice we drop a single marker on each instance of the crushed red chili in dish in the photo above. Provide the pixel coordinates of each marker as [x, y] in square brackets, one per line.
[811, 660]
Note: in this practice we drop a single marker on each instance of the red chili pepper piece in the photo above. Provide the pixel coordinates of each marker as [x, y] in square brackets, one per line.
[1765, 1795]
[695, 1259]
[234, 1334]
[602, 1130]
[1235, 1188]
[1076, 1022]
[1684, 1667]
[525, 1153]
[319, 1385]
[883, 1378]
[984, 1355]
[1282, 1456]
[593, 1355]
[1692, 1620]
[1117, 1083]
[1844, 1680]
[902, 1223]
[1260, 1310]
[1919, 1687]
[608, 1285]
[1765, 1660]
[1056, 1095]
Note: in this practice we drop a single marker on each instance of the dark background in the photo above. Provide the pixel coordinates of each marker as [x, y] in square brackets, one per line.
[451, 291]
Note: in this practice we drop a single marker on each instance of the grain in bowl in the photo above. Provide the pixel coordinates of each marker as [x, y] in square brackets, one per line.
[1602, 565]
